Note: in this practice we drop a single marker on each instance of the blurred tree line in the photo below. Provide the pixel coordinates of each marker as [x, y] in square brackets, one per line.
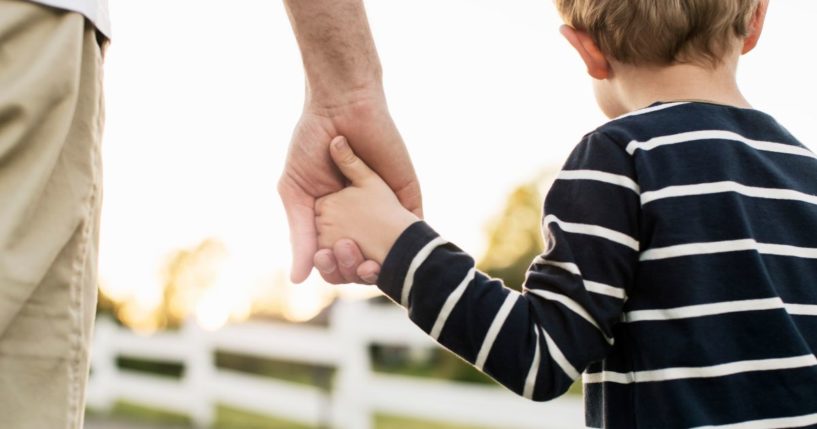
[515, 235]
[514, 240]
[186, 276]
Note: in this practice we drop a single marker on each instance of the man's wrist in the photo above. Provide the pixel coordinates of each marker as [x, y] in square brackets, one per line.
[330, 101]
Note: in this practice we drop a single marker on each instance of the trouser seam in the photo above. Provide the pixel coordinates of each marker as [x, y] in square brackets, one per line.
[76, 369]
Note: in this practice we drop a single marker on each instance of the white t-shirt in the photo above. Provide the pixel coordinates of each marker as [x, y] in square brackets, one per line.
[95, 10]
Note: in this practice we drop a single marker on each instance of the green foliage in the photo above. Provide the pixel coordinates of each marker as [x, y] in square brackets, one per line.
[576, 388]
[515, 237]
[152, 366]
[440, 364]
[301, 373]
[187, 274]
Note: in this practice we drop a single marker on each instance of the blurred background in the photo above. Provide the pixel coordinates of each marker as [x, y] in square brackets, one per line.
[198, 324]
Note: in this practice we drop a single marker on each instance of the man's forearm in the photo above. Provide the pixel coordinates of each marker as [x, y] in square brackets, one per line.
[337, 48]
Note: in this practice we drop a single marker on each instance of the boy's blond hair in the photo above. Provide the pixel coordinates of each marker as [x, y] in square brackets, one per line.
[661, 32]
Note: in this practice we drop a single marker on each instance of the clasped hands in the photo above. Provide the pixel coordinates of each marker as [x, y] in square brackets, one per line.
[366, 211]
[342, 216]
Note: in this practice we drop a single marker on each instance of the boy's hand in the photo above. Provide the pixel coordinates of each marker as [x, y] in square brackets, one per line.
[367, 211]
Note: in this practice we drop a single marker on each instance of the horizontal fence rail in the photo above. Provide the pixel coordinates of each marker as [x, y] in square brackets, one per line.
[357, 391]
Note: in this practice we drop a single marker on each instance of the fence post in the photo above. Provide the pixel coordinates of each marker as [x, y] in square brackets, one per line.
[199, 371]
[350, 408]
[102, 381]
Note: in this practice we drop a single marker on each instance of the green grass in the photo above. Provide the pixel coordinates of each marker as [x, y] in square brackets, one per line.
[123, 410]
[226, 418]
[383, 421]
[231, 418]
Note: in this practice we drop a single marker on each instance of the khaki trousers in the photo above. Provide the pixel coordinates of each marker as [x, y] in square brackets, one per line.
[51, 116]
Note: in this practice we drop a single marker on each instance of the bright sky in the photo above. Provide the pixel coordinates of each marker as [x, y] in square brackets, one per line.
[202, 97]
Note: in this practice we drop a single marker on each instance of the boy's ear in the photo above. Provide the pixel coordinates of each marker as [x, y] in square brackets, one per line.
[755, 26]
[594, 59]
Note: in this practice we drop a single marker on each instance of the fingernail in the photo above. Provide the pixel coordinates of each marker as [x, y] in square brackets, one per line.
[370, 278]
[324, 264]
[341, 143]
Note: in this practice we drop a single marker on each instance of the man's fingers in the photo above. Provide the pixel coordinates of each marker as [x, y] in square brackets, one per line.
[302, 237]
[411, 198]
[349, 256]
[348, 162]
[328, 267]
[302, 234]
[369, 271]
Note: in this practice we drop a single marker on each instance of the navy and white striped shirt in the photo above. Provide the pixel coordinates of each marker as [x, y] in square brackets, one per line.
[682, 279]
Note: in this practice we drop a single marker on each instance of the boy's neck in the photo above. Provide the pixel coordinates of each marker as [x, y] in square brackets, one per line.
[639, 87]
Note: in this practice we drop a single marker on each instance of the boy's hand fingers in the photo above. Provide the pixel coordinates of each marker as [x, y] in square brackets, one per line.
[349, 164]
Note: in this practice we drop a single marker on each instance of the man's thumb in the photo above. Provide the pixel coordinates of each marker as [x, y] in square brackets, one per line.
[348, 163]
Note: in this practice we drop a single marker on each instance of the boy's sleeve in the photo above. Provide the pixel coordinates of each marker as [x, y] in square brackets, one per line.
[538, 342]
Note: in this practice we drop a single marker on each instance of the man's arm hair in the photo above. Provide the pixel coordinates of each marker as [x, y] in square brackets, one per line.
[338, 51]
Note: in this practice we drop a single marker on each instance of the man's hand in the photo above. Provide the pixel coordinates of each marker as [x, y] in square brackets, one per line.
[310, 173]
[344, 96]
[367, 211]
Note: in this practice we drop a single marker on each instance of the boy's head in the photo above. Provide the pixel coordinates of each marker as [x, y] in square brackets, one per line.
[657, 34]
[661, 32]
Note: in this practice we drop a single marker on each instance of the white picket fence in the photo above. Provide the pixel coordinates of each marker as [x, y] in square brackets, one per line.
[357, 392]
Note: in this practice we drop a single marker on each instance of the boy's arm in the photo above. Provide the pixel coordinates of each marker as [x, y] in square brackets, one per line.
[537, 342]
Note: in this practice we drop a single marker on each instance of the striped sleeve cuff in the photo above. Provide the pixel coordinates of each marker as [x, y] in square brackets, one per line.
[396, 266]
